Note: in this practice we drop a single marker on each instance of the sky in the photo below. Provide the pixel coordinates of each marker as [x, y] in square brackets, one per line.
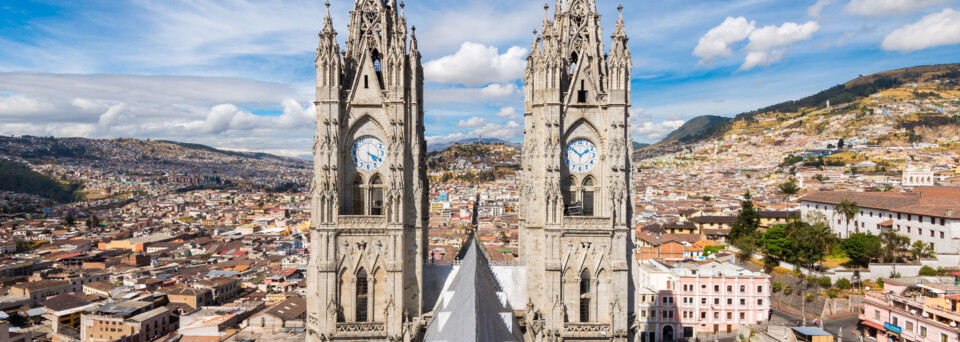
[239, 74]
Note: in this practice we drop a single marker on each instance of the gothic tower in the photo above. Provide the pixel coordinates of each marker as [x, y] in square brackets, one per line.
[369, 202]
[576, 204]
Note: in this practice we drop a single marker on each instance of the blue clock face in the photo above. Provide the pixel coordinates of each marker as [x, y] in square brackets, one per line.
[368, 153]
[581, 155]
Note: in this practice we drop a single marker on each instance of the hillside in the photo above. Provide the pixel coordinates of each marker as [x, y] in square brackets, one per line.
[444, 146]
[474, 162]
[126, 157]
[712, 127]
[18, 177]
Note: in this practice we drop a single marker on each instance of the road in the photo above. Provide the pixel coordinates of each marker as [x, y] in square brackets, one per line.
[849, 324]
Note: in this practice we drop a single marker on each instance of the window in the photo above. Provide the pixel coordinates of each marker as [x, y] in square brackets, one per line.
[703, 315]
[582, 94]
[760, 289]
[357, 191]
[729, 301]
[941, 235]
[743, 316]
[931, 233]
[569, 197]
[943, 221]
[703, 301]
[743, 301]
[923, 331]
[366, 82]
[729, 315]
[729, 288]
[584, 296]
[362, 295]
[743, 288]
[376, 207]
[588, 196]
[716, 315]
[943, 337]
[760, 302]
[716, 288]
[876, 314]
[716, 301]
[909, 325]
[919, 231]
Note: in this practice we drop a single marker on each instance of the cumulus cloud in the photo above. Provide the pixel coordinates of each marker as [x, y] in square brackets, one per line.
[509, 131]
[769, 44]
[888, 7]
[214, 111]
[499, 90]
[475, 121]
[509, 113]
[651, 131]
[477, 65]
[18, 104]
[718, 41]
[936, 29]
[815, 9]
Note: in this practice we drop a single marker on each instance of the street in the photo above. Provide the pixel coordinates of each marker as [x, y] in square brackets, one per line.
[849, 324]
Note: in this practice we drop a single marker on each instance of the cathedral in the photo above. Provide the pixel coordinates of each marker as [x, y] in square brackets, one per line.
[368, 279]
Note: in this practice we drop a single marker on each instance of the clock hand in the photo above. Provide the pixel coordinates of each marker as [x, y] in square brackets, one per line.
[375, 158]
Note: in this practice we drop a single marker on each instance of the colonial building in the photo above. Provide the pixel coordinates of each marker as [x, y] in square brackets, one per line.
[369, 201]
[575, 188]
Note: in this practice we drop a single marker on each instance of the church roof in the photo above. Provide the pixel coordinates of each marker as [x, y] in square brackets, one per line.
[473, 308]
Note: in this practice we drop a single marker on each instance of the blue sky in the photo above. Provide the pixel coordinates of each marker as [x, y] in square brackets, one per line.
[239, 74]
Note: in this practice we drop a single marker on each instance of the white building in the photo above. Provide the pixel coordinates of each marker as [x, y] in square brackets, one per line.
[928, 214]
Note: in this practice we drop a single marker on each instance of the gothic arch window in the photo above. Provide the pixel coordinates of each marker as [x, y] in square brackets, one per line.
[588, 196]
[363, 294]
[582, 92]
[376, 195]
[584, 296]
[376, 61]
[357, 191]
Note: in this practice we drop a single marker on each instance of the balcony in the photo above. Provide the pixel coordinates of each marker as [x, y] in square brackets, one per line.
[361, 329]
[360, 221]
[586, 329]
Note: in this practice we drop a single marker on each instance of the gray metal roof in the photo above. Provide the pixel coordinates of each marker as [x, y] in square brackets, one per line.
[473, 308]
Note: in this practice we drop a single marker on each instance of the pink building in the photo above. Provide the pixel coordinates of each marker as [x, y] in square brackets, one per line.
[690, 299]
[913, 309]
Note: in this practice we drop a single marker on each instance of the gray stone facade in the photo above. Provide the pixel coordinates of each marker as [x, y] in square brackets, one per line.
[576, 213]
[369, 202]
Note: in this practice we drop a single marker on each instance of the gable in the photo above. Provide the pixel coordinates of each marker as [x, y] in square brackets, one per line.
[367, 85]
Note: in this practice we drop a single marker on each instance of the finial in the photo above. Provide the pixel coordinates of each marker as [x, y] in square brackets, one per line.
[534, 32]
[414, 28]
[327, 4]
[401, 5]
[620, 8]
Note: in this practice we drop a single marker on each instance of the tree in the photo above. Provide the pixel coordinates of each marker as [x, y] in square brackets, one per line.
[789, 187]
[820, 234]
[747, 245]
[843, 283]
[775, 244]
[777, 286]
[747, 221]
[921, 250]
[70, 220]
[861, 248]
[848, 209]
[840, 143]
[928, 271]
[893, 245]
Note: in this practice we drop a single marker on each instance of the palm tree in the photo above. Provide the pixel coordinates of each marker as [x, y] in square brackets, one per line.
[849, 210]
[894, 244]
[823, 238]
[921, 250]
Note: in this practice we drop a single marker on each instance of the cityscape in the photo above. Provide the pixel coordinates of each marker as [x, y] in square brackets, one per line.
[566, 189]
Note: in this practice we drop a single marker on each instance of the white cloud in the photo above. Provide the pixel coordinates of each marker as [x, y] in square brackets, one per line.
[499, 90]
[650, 131]
[113, 116]
[508, 132]
[769, 44]
[477, 65]
[718, 41]
[888, 7]
[816, 8]
[936, 29]
[475, 121]
[509, 113]
[17, 104]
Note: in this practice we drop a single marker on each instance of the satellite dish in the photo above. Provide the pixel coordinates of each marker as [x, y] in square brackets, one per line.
[867, 288]
[953, 324]
[925, 315]
[913, 312]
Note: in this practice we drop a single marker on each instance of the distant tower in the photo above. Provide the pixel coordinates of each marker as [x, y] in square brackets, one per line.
[576, 207]
[369, 196]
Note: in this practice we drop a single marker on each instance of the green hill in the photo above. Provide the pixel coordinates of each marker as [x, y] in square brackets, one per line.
[18, 177]
[698, 128]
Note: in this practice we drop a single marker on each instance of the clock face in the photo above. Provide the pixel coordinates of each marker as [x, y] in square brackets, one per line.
[368, 153]
[581, 155]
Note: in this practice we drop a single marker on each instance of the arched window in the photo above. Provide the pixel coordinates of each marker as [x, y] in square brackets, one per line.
[584, 296]
[376, 196]
[362, 295]
[357, 192]
[569, 195]
[376, 61]
[588, 185]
